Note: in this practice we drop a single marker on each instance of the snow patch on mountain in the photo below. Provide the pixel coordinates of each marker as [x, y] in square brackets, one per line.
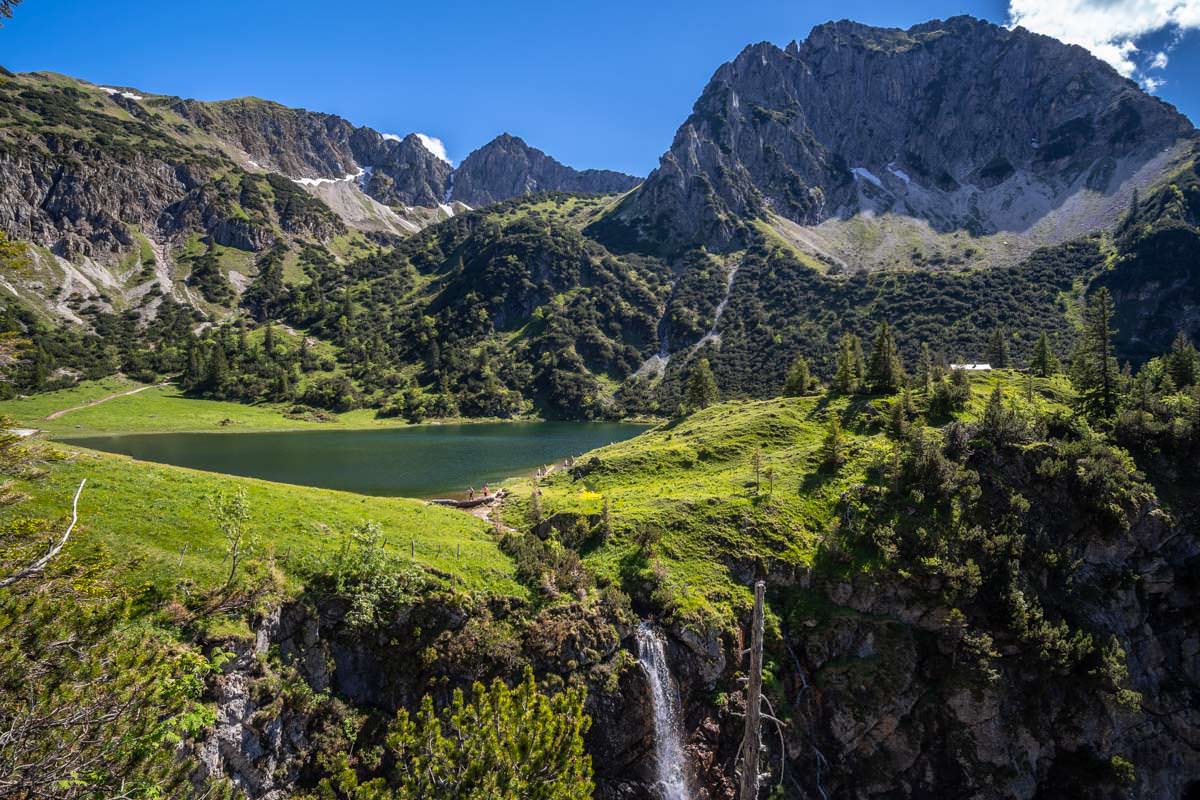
[901, 174]
[322, 181]
[122, 93]
[865, 174]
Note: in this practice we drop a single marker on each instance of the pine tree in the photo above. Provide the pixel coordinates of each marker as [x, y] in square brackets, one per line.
[847, 378]
[1000, 424]
[756, 463]
[218, 369]
[498, 743]
[1097, 375]
[1044, 363]
[798, 378]
[898, 420]
[1183, 361]
[925, 367]
[269, 341]
[1131, 216]
[860, 363]
[997, 354]
[194, 371]
[701, 391]
[833, 448]
[885, 373]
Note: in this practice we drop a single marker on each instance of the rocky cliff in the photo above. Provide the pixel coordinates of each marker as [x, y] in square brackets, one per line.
[960, 125]
[312, 146]
[507, 167]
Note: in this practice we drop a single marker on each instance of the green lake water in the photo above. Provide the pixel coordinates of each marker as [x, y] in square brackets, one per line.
[421, 461]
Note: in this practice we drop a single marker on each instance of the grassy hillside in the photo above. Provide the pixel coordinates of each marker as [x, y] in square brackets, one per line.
[163, 409]
[152, 525]
[690, 489]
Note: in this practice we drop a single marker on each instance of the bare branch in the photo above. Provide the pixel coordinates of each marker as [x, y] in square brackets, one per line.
[40, 564]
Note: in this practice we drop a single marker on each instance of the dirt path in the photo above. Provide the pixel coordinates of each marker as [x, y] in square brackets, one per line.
[91, 403]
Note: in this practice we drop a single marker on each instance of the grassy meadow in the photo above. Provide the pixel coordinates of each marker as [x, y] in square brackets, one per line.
[151, 524]
[694, 484]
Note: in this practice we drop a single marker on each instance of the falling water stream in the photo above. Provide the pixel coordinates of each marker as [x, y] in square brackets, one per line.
[670, 766]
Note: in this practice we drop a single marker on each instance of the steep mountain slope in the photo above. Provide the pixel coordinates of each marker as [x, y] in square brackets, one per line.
[507, 167]
[1012, 138]
[311, 146]
[117, 191]
[112, 192]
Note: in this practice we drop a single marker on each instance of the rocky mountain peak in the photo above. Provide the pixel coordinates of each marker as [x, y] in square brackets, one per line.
[960, 124]
[508, 167]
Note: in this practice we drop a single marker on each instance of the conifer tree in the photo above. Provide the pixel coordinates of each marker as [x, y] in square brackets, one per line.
[1183, 361]
[218, 369]
[860, 363]
[997, 354]
[497, 743]
[701, 391]
[833, 448]
[1096, 375]
[846, 379]
[1044, 363]
[925, 367]
[798, 378]
[885, 373]
[193, 371]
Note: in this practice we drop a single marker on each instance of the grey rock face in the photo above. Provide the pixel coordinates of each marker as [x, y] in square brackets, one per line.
[961, 123]
[507, 167]
[306, 144]
[74, 198]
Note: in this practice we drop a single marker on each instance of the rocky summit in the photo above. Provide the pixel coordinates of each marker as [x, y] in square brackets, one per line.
[948, 126]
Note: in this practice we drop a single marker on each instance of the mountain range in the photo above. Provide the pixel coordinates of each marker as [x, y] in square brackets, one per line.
[955, 177]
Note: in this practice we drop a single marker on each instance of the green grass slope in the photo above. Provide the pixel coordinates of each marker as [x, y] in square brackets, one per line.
[152, 527]
[690, 489]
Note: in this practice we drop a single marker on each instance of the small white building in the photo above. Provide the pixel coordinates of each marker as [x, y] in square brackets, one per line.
[972, 367]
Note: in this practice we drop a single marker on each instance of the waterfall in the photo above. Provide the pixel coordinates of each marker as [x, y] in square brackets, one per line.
[670, 766]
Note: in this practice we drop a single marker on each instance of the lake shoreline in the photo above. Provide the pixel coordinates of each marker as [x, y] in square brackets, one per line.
[416, 461]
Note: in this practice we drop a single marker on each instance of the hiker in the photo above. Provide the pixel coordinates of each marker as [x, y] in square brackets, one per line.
[471, 493]
[485, 490]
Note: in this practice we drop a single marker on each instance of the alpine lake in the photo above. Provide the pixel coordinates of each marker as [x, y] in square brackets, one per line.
[419, 461]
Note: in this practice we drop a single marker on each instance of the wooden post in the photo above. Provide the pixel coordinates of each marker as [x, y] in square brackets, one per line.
[412, 549]
[752, 740]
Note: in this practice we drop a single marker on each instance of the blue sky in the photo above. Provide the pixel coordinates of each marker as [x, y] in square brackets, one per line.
[593, 84]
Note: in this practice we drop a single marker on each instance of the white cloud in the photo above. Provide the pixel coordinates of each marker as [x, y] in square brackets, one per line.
[435, 146]
[431, 143]
[1109, 28]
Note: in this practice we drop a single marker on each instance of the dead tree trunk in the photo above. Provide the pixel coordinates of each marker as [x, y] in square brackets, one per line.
[752, 740]
[40, 564]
